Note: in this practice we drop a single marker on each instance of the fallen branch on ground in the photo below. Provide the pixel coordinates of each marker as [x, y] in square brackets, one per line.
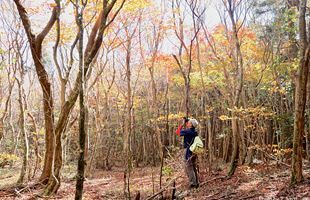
[163, 189]
[18, 192]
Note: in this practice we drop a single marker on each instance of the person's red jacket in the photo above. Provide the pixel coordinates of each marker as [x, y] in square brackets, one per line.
[178, 130]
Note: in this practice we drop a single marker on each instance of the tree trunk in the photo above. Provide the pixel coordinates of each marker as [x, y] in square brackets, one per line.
[48, 105]
[235, 153]
[210, 139]
[300, 97]
[94, 150]
[93, 45]
[308, 136]
[238, 62]
[53, 156]
[82, 133]
[36, 144]
[23, 131]
[308, 131]
[127, 150]
[243, 148]
[6, 107]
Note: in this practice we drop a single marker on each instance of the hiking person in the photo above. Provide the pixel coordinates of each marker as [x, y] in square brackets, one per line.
[188, 130]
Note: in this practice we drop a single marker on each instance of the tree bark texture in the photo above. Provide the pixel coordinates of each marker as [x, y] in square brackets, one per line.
[300, 97]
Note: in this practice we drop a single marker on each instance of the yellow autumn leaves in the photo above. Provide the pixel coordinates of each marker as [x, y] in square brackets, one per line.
[243, 113]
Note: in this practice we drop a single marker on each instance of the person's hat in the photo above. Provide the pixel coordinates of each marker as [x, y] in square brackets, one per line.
[194, 122]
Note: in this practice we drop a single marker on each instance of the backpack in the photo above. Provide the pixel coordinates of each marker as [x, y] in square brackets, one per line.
[197, 146]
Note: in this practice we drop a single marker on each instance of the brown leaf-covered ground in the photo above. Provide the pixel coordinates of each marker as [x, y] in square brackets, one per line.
[257, 182]
[260, 181]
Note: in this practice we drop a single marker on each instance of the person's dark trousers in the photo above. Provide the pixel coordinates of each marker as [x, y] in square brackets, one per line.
[191, 171]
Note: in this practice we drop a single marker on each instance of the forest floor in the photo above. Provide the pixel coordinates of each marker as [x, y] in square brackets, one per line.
[259, 181]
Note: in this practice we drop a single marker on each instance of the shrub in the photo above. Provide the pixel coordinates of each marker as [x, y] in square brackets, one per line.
[7, 159]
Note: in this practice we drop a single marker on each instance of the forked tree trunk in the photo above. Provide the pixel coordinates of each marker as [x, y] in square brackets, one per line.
[53, 153]
[48, 105]
[53, 156]
[238, 60]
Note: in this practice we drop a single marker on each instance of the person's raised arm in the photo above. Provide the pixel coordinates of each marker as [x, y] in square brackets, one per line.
[182, 124]
[178, 131]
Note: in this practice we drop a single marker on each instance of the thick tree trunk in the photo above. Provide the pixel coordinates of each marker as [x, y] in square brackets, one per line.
[300, 97]
[299, 122]
[308, 131]
[48, 105]
[49, 135]
[308, 136]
